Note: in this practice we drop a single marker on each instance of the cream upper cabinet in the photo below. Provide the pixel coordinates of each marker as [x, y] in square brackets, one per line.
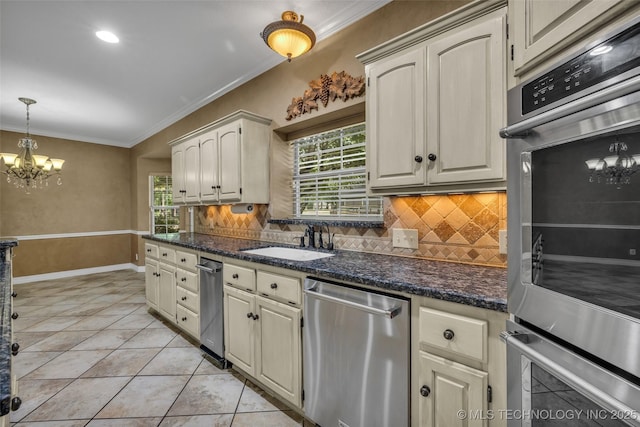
[436, 99]
[542, 28]
[209, 161]
[395, 120]
[185, 169]
[232, 161]
[466, 106]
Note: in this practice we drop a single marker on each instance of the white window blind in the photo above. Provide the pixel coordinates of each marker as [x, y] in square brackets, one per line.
[329, 177]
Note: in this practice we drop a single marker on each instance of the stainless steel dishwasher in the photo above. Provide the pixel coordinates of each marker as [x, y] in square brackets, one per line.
[356, 357]
[212, 310]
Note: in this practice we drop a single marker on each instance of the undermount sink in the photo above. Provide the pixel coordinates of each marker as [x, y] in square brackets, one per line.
[292, 254]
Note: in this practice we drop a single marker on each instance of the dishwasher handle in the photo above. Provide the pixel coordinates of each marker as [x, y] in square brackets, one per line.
[390, 313]
[208, 269]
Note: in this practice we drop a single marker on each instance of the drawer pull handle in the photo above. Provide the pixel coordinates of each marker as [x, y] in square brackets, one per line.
[183, 260]
[148, 251]
[235, 275]
[448, 334]
[184, 298]
[164, 254]
[425, 391]
[184, 319]
[274, 286]
[184, 279]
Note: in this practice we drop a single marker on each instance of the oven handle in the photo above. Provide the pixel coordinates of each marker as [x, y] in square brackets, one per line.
[519, 340]
[523, 128]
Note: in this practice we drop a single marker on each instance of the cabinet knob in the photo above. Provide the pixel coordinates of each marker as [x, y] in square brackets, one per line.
[249, 315]
[183, 298]
[184, 319]
[148, 251]
[15, 403]
[256, 317]
[15, 347]
[184, 279]
[14, 316]
[183, 260]
[432, 157]
[425, 391]
[418, 159]
[235, 275]
[448, 334]
[13, 294]
[274, 286]
[164, 254]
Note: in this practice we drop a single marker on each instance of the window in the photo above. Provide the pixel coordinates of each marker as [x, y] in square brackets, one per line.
[329, 176]
[165, 217]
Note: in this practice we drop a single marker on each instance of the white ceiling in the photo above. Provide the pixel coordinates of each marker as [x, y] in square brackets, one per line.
[174, 56]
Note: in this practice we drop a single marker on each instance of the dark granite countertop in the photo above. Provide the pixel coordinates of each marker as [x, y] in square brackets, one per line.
[478, 286]
[5, 325]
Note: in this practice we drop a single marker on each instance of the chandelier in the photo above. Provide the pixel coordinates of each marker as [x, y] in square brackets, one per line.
[289, 37]
[615, 169]
[26, 169]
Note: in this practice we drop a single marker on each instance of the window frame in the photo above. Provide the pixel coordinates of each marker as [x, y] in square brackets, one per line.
[370, 208]
[154, 208]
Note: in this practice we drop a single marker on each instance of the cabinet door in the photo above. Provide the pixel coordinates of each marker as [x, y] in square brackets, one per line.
[177, 173]
[151, 282]
[466, 104]
[279, 351]
[452, 387]
[209, 167]
[239, 333]
[167, 291]
[543, 27]
[395, 121]
[230, 162]
[192, 171]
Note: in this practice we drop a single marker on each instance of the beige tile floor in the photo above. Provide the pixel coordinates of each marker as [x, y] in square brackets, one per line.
[92, 355]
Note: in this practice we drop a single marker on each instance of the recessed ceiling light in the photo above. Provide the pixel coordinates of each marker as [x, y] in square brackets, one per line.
[107, 36]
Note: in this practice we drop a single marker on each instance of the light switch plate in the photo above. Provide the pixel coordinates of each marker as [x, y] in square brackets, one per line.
[405, 238]
[502, 241]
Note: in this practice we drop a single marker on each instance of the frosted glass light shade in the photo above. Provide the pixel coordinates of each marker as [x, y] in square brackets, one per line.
[39, 160]
[9, 158]
[57, 164]
[289, 37]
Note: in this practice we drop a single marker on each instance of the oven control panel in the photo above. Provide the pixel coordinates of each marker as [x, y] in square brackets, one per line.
[608, 59]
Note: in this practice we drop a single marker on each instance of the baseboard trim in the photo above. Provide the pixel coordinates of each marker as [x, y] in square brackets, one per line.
[80, 272]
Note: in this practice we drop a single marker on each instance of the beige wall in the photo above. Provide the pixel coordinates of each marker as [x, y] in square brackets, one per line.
[93, 197]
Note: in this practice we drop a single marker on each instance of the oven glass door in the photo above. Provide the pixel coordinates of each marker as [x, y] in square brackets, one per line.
[585, 219]
[551, 402]
[548, 384]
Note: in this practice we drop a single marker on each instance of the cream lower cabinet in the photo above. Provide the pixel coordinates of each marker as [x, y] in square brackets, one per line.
[172, 285]
[458, 364]
[263, 336]
[436, 99]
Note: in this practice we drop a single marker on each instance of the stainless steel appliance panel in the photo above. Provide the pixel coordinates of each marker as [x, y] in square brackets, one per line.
[589, 296]
[549, 385]
[356, 357]
[211, 308]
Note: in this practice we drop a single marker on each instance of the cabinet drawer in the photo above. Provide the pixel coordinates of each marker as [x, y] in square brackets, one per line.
[187, 280]
[188, 320]
[151, 250]
[283, 288]
[456, 334]
[166, 254]
[186, 260]
[188, 299]
[239, 277]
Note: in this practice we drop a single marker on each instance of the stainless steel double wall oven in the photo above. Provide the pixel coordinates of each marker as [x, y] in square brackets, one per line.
[573, 149]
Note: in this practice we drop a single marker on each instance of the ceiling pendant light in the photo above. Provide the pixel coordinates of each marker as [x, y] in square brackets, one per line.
[289, 37]
[28, 170]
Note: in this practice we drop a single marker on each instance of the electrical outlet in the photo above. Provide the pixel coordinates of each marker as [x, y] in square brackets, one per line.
[405, 238]
[632, 252]
[502, 241]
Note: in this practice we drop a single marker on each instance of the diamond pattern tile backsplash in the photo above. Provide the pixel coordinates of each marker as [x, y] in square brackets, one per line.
[459, 228]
